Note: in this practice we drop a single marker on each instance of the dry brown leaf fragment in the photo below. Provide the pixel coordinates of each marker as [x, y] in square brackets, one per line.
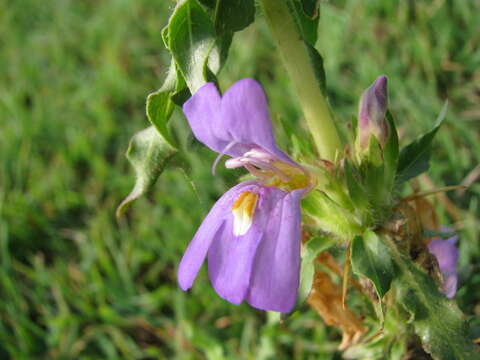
[326, 299]
[427, 214]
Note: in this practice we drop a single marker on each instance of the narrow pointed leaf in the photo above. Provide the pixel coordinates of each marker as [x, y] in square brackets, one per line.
[356, 190]
[148, 153]
[391, 154]
[371, 258]
[307, 25]
[303, 12]
[317, 63]
[415, 157]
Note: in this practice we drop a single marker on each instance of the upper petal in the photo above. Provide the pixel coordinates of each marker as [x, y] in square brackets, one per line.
[203, 114]
[245, 115]
[235, 123]
[197, 249]
[275, 278]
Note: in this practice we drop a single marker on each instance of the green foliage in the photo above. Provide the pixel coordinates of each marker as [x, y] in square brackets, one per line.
[160, 105]
[370, 178]
[390, 155]
[415, 157]
[332, 217]
[77, 283]
[305, 15]
[355, 186]
[311, 7]
[233, 15]
[317, 64]
[191, 38]
[437, 320]
[310, 251]
[371, 258]
[148, 153]
[199, 46]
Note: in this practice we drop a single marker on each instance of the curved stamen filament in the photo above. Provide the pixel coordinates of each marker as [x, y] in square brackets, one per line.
[220, 155]
[269, 167]
[256, 172]
[270, 170]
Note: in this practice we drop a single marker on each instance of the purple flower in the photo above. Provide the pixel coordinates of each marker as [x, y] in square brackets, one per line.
[371, 113]
[447, 256]
[252, 234]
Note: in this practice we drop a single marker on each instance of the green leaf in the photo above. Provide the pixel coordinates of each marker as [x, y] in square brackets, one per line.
[165, 36]
[391, 154]
[159, 109]
[310, 250]
[374, 179]
[191, 38]
[437, 320]
[371, 258]
[329, 216]
[306, 23]
[160, 106]
[208, 3]
[356, 190]
[415, 157]
[311, 7]
[148, 153]
[317, 64]
[233, 15]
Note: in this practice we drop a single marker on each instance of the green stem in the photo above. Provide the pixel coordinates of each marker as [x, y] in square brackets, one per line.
[296, 59]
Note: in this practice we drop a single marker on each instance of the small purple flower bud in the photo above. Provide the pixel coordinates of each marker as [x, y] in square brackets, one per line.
[371, 113]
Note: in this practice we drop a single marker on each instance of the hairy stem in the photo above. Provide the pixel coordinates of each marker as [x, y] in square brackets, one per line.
[296, 59]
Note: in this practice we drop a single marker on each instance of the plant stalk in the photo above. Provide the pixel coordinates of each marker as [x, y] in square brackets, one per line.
[295, 57]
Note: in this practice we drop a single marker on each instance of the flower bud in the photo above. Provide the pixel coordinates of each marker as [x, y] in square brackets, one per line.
[371, 113]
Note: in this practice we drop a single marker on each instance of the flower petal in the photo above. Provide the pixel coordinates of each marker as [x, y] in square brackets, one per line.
[447, 256]
[372, 110]
[446, 253]
[230, 261]
[275, 278]
[203, 114]
[231, 257]
[244, 110]
[450, 285]
[197, 249]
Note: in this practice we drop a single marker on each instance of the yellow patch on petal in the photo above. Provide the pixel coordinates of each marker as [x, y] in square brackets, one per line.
[297, 179]
[243, 210]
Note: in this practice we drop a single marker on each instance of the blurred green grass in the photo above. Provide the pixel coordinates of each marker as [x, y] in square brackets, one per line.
[78, 284]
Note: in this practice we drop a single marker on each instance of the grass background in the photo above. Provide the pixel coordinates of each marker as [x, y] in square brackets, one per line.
[75, 283]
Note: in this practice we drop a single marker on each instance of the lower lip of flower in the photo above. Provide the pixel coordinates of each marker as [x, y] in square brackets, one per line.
[243, 210]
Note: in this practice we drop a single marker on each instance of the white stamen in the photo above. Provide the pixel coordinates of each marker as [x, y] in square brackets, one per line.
[219, 157]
